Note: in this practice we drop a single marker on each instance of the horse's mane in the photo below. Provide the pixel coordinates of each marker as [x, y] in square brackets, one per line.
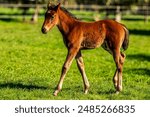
[70, 14]
[52, 6]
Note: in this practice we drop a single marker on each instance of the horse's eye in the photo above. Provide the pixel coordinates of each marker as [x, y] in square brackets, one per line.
[52, 17]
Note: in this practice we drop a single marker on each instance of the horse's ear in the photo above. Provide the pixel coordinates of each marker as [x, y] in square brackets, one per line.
[57, 7]
[49, 5]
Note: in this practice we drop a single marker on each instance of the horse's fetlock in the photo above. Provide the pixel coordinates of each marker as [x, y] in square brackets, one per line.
[119, 88]
[87, 86]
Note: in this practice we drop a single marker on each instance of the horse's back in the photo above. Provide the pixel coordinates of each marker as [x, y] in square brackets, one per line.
[112, 26]
[115, 35]
[93, 34]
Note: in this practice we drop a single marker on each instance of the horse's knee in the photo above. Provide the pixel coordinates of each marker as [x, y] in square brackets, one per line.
[65, 68]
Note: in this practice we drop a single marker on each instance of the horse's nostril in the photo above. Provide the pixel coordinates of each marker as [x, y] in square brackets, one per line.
[44, 30]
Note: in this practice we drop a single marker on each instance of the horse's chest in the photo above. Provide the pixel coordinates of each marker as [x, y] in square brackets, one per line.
[91, 40]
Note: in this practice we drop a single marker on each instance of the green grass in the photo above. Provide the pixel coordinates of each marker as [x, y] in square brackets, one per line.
[30, 65]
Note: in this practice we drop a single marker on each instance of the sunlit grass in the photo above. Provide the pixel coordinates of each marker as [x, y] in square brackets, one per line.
[30, 65]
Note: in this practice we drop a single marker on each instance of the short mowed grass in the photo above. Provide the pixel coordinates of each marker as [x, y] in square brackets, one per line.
[30, 65]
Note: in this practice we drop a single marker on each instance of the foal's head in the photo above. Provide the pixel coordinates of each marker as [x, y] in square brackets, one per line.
[51, 17]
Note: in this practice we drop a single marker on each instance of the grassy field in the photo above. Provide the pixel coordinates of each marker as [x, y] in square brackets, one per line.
[30, 65]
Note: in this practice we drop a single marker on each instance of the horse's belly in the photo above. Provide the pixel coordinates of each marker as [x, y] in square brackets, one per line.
[88, 43]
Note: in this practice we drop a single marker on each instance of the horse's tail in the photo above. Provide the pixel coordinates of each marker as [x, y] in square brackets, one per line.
[126, 39]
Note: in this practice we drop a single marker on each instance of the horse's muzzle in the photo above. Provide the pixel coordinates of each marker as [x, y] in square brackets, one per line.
[44, 31]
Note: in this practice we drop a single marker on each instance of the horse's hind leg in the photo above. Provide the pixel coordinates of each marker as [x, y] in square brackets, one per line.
[115, 79]
[119, 60]
[80, 65]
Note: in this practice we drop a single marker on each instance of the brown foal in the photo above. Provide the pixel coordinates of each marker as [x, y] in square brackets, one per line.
[78, 35]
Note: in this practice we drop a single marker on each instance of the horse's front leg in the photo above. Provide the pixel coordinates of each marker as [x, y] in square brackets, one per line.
[80, 65]
[70, 56]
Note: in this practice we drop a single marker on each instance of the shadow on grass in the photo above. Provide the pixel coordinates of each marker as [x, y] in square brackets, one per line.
[133, 19]
[139, 32]
[141, 57]
[140, 71]
[21, 86]
[108, 92]
[10, 19]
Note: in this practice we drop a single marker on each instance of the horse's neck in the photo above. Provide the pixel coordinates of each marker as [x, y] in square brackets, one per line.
[65, 22]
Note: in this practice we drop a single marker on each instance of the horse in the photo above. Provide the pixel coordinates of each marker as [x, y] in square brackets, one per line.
[78, 35]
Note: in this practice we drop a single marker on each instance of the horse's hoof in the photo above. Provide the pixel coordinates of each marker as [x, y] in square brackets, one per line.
[56, 93]
[117, 92]
[86, 91]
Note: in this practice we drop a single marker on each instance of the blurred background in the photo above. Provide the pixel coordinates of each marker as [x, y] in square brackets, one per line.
[101, 9]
